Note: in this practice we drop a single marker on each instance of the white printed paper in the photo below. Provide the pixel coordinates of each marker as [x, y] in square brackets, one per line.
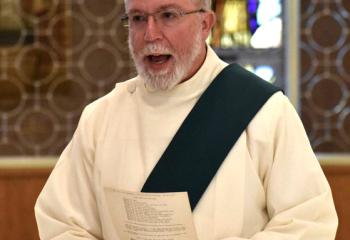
[151, 216]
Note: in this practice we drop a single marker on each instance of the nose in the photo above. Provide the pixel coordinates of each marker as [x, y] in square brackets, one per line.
[153, 31]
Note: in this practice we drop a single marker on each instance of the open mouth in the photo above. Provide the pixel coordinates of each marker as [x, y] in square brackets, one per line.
[158, 58]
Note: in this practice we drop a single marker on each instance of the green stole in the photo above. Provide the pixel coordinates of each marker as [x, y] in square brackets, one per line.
[209, 132]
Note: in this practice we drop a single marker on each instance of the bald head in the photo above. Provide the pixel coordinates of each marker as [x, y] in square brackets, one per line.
[206, 4]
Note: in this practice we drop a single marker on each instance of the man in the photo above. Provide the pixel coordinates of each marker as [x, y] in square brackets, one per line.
[269, 187]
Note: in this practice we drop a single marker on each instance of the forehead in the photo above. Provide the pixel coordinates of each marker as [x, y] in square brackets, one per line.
[153, 5]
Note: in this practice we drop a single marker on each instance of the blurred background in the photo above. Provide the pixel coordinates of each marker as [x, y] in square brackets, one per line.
[56, 56]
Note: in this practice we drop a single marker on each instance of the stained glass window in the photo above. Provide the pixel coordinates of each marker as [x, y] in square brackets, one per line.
[250, 32]
[248, 23]
[265, 72]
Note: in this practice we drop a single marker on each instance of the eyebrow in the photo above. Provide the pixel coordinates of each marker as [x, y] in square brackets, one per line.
[164, 7]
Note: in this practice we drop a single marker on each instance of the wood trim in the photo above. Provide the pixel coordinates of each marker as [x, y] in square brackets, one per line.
[25, 173]
[334, 170]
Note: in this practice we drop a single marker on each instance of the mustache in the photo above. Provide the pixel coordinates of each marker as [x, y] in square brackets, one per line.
[154, 48]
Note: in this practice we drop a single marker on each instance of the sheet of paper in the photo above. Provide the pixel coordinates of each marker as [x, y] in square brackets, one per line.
[151, 216]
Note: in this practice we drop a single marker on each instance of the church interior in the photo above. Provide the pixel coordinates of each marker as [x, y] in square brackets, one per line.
[58, 56]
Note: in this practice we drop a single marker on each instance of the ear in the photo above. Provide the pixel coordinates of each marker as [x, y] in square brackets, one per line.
[208, 22]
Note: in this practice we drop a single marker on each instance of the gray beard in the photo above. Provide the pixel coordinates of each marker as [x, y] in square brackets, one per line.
[166, 80]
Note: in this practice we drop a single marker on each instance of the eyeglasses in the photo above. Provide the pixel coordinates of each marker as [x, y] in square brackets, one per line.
[166, 17]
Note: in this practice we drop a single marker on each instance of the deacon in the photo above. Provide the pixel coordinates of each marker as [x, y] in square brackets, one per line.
[189, 122]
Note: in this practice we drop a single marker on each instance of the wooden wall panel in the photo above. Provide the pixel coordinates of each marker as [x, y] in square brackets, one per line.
[19, 189]
[339, 179]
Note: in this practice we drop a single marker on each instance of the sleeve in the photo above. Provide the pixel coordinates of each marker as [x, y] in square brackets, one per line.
[66, 208]
[299, 200]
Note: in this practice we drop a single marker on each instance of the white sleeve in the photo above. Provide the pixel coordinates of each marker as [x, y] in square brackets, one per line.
[66, 207]
[299, 200]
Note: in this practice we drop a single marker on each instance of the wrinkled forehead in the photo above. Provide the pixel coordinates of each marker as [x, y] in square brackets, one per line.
[152, 5]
